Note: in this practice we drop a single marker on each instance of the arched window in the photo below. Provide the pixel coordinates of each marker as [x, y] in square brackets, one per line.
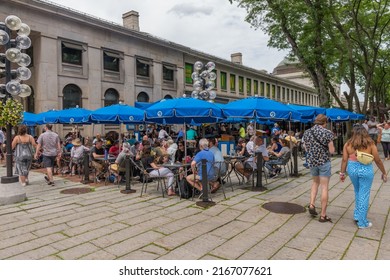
[168, 96]
[111, 97]
[143, 97]
[71, 97]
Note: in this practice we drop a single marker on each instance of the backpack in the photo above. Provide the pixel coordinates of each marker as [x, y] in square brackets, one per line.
[185, 189]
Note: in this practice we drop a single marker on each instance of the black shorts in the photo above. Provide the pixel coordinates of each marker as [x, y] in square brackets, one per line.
[48, 161]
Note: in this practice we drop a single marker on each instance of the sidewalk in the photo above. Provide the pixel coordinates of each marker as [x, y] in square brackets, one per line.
[106, 224]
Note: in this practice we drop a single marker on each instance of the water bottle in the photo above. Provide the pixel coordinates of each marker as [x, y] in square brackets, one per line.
[105, 154]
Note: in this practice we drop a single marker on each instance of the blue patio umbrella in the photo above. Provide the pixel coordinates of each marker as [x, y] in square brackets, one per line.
[41, 116]
[183, 110]
[308, 112]
[30, 119]
[67, 116]
[116, 114]
[338, 115]
[260, 108]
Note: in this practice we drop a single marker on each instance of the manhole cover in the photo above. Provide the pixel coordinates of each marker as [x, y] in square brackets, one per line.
[284, 207]
[77, 191]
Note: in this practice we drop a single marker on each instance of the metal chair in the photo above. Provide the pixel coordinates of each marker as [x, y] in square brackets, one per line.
[286, 159]
[146, 178]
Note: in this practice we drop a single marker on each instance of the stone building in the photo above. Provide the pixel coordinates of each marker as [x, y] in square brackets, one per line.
[81, 60]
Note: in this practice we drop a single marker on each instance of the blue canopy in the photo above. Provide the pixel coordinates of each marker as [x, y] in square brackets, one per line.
[30, 119]
[308, 112]
[183, 110]
[67, 116]
[260, 108]
[339, 115]
[115, 114]
[41, 116]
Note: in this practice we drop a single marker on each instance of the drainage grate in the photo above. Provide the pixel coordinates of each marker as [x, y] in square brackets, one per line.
[284, 207]
[77, 191]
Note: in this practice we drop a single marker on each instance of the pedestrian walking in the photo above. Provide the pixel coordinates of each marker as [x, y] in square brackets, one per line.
[319, 144]
[50, 144]
[23, 145]
[384, 137]
[361, 174]
[2, 140]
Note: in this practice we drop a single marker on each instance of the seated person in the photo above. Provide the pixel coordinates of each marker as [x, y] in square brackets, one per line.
[250, 145]
[291, 138]
[172, 148]
[275, 146]
[135, 150]
[114, 149]
[151, 166]
[271, 165]
[219, 164]
[241, 148]
[119, 168]
[250, 164]
[180, 153]
[98, 152]
[195, 179]
[76, 154]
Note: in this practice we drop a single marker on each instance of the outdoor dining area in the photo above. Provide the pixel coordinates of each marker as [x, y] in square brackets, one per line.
[183, 112]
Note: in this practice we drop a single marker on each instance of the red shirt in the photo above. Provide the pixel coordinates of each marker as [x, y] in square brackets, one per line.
[114, 150]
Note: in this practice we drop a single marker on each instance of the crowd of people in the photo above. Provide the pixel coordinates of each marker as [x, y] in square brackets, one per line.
[159, 145]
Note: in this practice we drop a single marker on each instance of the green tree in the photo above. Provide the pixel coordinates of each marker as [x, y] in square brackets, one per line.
[334, 41]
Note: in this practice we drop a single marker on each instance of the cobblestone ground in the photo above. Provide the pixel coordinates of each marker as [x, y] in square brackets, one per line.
[106, 224]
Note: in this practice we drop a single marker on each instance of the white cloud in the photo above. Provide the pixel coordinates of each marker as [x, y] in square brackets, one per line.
[211, 26]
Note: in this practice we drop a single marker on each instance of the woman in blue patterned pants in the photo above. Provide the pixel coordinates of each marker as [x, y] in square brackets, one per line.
[361, 174]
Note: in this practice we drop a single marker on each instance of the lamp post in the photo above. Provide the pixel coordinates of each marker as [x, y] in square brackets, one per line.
[203, 79]
[10, 54]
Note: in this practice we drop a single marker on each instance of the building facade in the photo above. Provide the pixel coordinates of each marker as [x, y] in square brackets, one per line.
[81, 60]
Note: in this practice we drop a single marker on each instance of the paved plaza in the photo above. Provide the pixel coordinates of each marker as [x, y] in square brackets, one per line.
[106, 224]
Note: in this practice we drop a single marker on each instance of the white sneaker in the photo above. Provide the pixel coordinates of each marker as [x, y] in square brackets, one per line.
[23, 184]
[369, 225]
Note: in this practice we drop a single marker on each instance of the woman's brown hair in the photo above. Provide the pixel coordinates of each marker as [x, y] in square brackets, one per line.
[22, 129]
[360, 138]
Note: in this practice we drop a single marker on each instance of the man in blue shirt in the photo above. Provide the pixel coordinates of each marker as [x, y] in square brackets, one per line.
[195, 179]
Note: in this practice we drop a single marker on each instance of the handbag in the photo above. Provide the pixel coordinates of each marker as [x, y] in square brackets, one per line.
[364, 158]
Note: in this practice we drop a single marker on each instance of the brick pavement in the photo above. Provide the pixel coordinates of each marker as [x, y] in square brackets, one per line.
[106, 224]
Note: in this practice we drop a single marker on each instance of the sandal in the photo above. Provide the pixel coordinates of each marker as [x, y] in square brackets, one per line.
[312, 210]
[324, 219]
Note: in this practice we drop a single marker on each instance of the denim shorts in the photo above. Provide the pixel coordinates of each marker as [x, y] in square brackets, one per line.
[48, 161]
[322, 170]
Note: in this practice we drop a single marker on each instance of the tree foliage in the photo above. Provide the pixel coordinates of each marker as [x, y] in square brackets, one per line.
[334, 40]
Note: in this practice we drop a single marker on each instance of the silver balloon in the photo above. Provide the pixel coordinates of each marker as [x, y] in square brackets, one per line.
[198, 66]
[25, 60]
[13, 54]
[204, 74]
[23, 73]
[204, 94]
[23, 42]
[213, 94]
[212, 76]
[197, 86]
[210, 85]
[4, 37]
[13, 22]
[13, 87]
[195, 94]
[210, 66]
[25, 90]
[24, 30]
[194, 75]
